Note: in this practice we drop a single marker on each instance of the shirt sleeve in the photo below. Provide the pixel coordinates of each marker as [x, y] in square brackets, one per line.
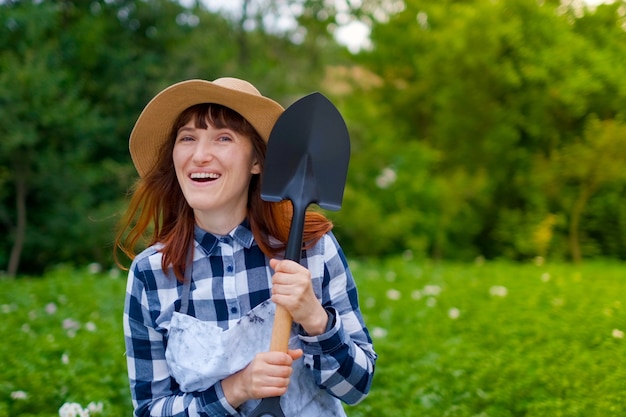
[342, 359]
[154, 391]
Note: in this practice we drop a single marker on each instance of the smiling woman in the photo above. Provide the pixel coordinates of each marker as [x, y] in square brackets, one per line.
[214, 164]
[215, 269]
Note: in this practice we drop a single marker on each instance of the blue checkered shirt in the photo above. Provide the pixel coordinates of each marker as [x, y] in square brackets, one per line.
[230, 277]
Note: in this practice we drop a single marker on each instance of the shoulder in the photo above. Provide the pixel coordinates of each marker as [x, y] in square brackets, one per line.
[147, 256]
[147, 268]
[328, 242]
[326, 252]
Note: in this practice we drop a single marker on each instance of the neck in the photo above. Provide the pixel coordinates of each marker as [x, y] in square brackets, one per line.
[219, 225]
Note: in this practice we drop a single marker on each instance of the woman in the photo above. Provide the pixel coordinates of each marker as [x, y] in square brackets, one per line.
[200, 299]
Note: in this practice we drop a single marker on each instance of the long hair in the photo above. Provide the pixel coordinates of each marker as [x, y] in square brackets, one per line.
[158, 212]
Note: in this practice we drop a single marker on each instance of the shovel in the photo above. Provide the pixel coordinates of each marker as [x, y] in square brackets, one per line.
[307, 162]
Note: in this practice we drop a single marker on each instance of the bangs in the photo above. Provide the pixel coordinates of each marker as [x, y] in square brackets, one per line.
[217, 116]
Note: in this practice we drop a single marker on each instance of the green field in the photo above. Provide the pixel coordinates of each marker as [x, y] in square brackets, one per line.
[484, 339]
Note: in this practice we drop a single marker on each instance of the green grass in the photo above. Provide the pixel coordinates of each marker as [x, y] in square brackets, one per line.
[527, 340]
[492, 339]
[62, 341]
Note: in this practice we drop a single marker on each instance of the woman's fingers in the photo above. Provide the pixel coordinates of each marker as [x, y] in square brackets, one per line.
[270, 373]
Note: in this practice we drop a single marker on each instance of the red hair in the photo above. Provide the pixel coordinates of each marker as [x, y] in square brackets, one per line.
[159, 212]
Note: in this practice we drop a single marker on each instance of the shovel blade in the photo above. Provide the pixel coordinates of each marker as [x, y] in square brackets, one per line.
[307, 155]
[269, 406]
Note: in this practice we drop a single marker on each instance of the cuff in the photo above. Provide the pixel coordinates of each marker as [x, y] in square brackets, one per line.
[215, 404]
[331, 340]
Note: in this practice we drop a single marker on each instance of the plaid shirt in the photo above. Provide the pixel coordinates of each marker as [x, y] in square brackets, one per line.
[230, 277]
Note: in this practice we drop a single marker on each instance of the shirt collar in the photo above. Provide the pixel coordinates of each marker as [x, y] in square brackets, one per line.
[208, 241]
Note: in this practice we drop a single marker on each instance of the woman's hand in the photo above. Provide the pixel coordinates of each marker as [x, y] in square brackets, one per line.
[266, 376]
[292, 288]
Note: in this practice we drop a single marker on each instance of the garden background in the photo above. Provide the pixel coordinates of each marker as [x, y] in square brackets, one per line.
[484, 215]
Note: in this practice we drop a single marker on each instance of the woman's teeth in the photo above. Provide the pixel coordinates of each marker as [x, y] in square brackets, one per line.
[204, 176]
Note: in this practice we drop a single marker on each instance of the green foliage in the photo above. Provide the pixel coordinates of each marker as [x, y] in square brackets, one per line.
[476, 126]
[63, 343]
[489, 339]
[74, 76]
[497, 90]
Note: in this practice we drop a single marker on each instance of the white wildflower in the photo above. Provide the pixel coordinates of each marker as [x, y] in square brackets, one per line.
[71, 326]
[72, 410]
[539, 260]
[19, 395]
[433, 290]
[94, 407]
[498, 291]
[94, 268]
[370, 302]
[454, 313]
[431, 302]
[51, 308]
[618, 334]
[65, 359]
[379, 332]
[386, 178]
[90, 326]
[545, 277]
[390, 276]
[393, 294]
[416, 295]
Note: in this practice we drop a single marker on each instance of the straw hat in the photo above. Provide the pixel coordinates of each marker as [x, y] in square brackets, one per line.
[153, 127]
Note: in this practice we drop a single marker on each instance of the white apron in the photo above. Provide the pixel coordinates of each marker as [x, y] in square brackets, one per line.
[199, 354]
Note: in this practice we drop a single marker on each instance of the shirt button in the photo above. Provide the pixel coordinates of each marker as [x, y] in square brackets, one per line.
[233, 310]
[229, 268]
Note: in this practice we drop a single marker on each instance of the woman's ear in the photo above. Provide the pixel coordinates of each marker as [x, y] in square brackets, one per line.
[256, 167]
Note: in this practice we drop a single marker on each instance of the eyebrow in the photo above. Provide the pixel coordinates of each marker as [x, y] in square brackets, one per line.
[185, 128]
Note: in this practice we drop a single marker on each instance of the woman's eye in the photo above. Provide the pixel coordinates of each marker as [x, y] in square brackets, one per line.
[224, 139]
[184, 139]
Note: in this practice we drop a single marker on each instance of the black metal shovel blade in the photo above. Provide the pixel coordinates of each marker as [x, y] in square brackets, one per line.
[307, 155]
[268, 407]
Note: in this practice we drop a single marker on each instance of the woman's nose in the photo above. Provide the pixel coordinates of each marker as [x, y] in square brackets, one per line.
[203, 151]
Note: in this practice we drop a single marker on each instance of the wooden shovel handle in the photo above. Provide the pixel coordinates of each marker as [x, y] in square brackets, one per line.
[281, 331]
[282, 320]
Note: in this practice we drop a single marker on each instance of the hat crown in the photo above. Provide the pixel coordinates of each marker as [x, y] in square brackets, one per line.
[237, 84]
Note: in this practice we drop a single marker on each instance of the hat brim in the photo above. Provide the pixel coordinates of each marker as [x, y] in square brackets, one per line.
[154, 125]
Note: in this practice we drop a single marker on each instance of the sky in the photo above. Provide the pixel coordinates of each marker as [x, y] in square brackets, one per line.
[353, 34]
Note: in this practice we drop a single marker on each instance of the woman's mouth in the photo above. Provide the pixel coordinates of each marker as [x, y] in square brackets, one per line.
[204, 176]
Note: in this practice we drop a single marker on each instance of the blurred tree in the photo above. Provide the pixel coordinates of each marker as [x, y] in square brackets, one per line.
[37, 97]
[587, 165]
[492, 87]
[72, 76]
[462, 115]
[75, 75]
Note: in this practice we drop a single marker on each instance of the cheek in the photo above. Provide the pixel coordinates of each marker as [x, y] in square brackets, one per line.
[178, 160]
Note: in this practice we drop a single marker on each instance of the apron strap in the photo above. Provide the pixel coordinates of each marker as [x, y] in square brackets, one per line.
[184, 297]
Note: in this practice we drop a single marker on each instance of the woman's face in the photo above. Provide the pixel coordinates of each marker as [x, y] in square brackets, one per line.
[213, 167]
